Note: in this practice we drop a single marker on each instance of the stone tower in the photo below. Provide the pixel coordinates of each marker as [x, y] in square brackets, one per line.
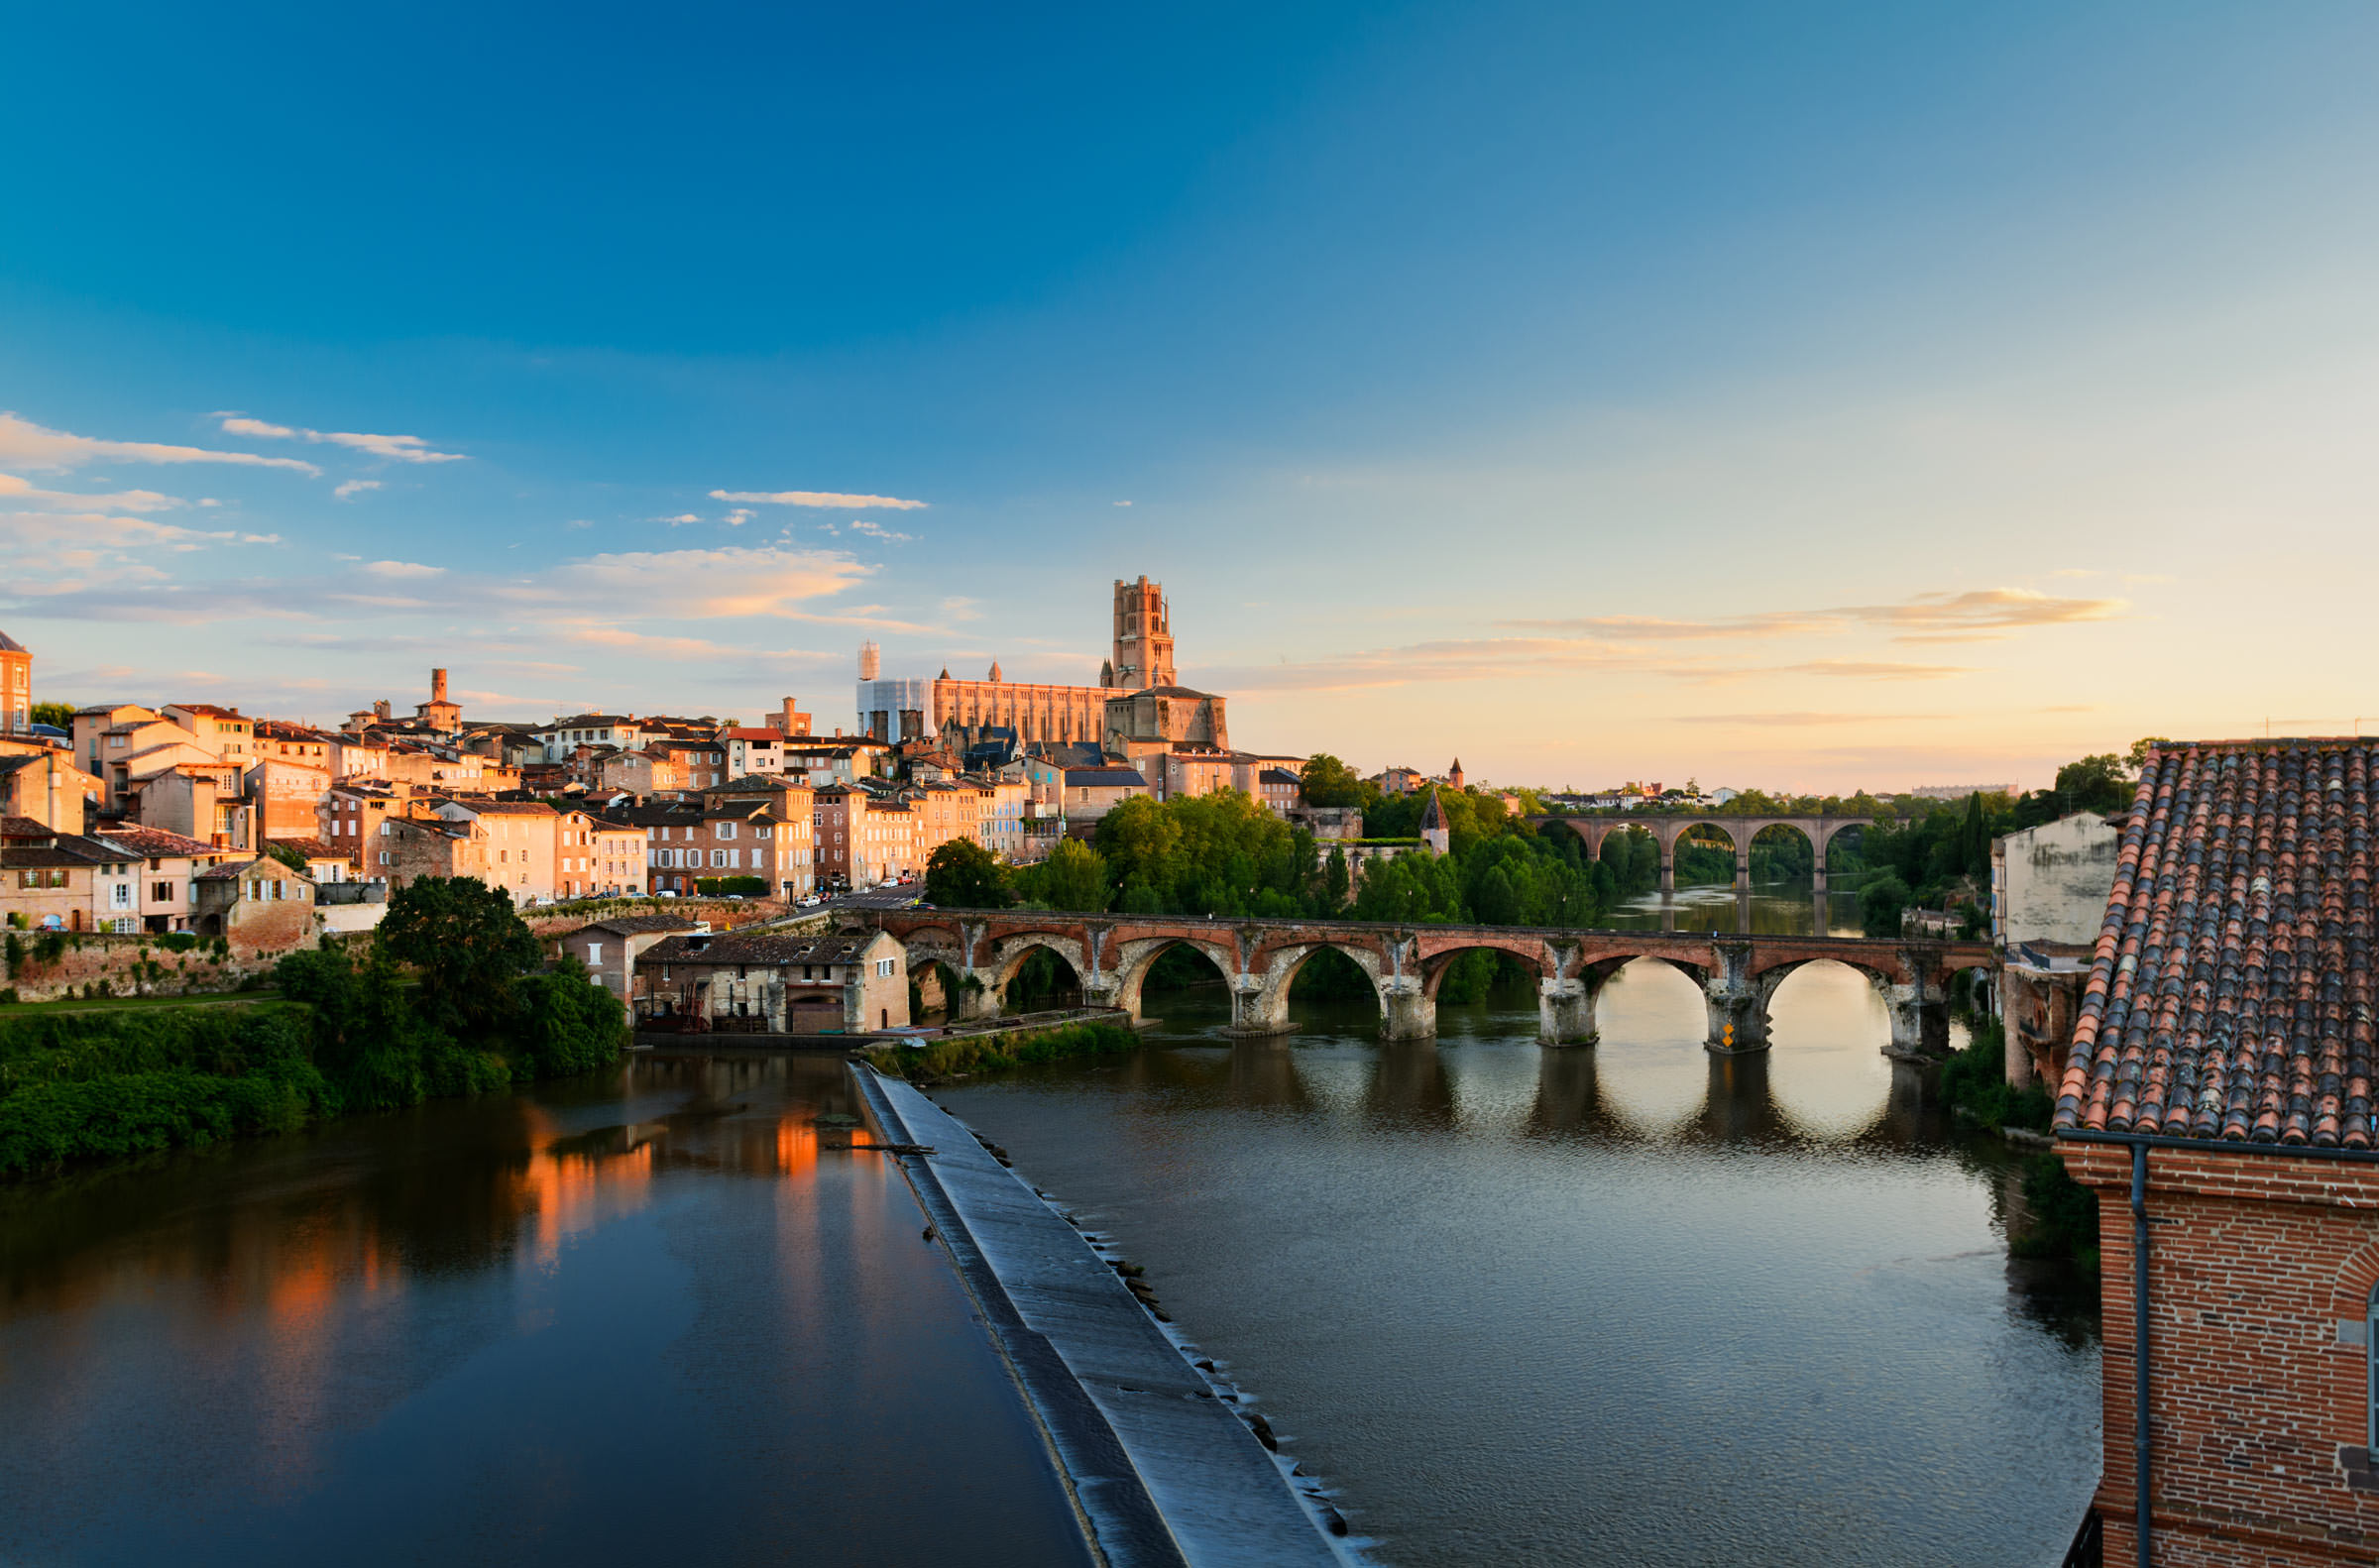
[1433, 830]
[1143, 636]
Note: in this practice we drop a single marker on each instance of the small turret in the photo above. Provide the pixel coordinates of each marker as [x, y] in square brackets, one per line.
[1433, 830]
[995, 670]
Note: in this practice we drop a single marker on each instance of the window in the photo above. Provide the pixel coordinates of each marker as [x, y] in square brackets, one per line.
[120, 896]
[594, 952]
[725, 830]
[718, 857]
[161, 892]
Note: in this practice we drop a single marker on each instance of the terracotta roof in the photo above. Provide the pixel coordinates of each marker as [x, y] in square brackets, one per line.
[154, 844]
[2231, 992]
[759, 948]
[748, 734]
[636, 925]
[210, 710]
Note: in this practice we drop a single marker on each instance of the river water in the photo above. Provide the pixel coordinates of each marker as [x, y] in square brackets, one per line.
[642, 1318]
[1631, 1304]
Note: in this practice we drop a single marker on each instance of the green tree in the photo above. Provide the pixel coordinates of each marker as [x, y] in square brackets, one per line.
[963, 875]
[60, 714]
[287, 857]
[1330, 782]
[2137, 757]
[1075, 877]
[2096, 783]
[1336, 884]
[1881, 904]
[467, 943]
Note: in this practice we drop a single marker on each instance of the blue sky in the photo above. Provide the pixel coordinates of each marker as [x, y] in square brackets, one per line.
[1804, 396]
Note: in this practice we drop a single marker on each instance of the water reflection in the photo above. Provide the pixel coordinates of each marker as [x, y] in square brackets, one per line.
[636, 1315]
[1770, 908]
[1512, 1299]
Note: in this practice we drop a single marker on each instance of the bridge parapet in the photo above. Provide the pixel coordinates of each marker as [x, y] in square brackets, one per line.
[1112, 956]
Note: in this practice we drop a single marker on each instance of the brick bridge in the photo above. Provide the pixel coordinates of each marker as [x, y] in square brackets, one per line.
[1111, 955]
[1670, 830]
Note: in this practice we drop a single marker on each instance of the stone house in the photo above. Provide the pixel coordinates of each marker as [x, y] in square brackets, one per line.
[619, 855]
[200, 800]
[406, 850]
[350, 815]
[2049, 883]
[258, 904]
[55, 881]
[606, 730]
[1090, 793]
[2217, 1099]
[1281, 790]
[42, 782]
[169, 865]
[750, 750]
[527, 844]
[610, 948]
[773, 982]
[222, 731]
[286, 794]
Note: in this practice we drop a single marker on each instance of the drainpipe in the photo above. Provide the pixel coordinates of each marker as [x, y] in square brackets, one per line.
[2139, 1343]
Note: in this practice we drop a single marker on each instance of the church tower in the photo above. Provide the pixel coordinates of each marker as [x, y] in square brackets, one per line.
[1143, 636]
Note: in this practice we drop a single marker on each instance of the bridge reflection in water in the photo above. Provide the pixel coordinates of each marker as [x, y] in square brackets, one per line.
[1633, 1303]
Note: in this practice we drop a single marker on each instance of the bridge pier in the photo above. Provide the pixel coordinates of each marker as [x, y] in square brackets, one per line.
[1737, 1001]
[1407, 1009]
[1258, 1009]
[978, 994]
[1920, 1025]
[1565, 1013]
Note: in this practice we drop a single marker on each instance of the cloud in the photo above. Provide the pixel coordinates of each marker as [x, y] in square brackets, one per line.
[54, 555]
[402, 569]
[578, 522]
[1976, 615]
[1796, 721]
[814, 498]
[22, 441]
[355, 486]
[650, 646]
[680, 521]
[1123, 503]
[394, 448]
[740, 516]
[877, 532]
[1866, 669]
[23, 492]
[729, 581]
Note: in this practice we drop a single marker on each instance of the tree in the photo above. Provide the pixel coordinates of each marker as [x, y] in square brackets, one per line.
[1075, 877]
[1330, 782]
[1336, 882]
[2096, 783]
[1881, 905]
[59, 714]
[287, 857]
[2137, 756]
[963, 875]
[467, 943]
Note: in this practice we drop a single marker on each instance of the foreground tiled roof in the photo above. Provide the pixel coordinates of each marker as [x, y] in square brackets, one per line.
[2230, 995]
[759, 948]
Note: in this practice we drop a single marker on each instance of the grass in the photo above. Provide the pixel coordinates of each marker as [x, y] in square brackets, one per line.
[941, 1059]
[107, 1004]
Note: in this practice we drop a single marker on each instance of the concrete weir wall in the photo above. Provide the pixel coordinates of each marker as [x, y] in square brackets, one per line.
[1164, 1473]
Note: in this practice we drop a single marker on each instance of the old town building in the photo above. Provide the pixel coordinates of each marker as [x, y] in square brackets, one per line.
[610, 948]
[43, 783]
[16, 687]
[259, 904]
[772, 983]
[2217, 1098]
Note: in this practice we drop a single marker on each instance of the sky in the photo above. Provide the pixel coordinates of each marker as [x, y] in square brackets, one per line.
[1805, 398]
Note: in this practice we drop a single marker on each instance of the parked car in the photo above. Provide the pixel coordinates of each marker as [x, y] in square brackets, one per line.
[664, 893]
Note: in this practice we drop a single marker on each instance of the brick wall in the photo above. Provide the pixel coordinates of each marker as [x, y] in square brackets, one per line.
[119, 962]
[2257, 1399]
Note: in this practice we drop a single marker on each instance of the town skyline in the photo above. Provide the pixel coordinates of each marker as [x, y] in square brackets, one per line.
[1545, 388]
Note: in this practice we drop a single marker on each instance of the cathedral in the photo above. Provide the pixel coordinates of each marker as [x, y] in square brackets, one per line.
[1135, 708]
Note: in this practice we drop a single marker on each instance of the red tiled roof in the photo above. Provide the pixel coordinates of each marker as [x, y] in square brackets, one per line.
[2230, 995]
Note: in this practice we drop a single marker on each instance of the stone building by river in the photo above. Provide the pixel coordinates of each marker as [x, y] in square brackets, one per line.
[2219, 1098]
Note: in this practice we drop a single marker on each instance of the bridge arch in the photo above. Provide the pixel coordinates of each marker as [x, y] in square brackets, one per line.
[1013, 951]
[1133, 959]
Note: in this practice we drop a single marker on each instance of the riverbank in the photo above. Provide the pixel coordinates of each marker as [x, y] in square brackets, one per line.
[1162, 1470]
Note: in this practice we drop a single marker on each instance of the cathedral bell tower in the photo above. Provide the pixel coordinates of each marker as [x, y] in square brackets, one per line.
[1143, 636]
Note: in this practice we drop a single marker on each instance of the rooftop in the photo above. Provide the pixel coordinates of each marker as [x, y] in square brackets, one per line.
[2231, 991]
[761, 946]
[1098, 777]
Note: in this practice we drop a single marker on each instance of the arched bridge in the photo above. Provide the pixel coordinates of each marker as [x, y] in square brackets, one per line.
[1259, 959]
[1668, 829]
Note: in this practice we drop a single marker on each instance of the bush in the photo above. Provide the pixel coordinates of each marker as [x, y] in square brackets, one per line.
[990, 1052]
[2064, 1215]
[1973, 1084]
[720, 886]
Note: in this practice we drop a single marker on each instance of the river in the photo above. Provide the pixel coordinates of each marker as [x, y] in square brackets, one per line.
[642, 1318]
[1631, 1304]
